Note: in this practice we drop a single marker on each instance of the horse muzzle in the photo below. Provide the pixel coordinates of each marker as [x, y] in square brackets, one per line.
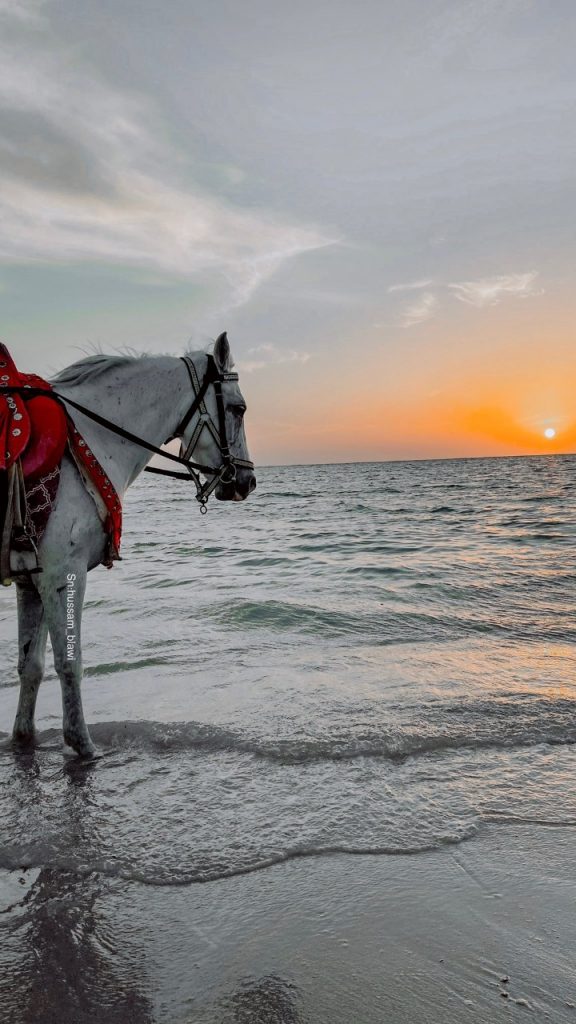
[237, 489]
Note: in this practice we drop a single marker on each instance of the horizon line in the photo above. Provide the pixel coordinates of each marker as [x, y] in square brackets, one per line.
[437, 458]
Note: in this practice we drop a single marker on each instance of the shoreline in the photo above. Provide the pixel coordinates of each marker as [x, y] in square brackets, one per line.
[471, 932]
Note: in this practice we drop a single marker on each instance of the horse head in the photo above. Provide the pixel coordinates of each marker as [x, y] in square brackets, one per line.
[216, 436]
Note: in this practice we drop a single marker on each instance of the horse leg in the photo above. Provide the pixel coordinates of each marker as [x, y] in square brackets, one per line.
[32, 635]
[63, 607]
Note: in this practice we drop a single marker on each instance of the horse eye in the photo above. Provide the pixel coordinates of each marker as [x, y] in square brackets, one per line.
[238, 410]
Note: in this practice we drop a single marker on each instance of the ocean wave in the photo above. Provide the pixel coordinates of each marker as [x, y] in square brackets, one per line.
[109, 668]
[301, 495]
[263, 561]
[366, 545]
[387, 626]
[444, 508]
[21, 857]
[505, 818]
[378, 570]
[442, 728]
[541, 499]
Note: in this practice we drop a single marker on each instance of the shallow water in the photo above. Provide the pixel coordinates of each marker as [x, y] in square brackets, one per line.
[361, 658]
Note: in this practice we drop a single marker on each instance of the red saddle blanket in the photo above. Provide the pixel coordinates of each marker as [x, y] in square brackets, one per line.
[37, 431]
[34, 429]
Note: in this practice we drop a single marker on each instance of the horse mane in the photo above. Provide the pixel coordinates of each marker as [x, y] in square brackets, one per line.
[94, 365]
[90, 367]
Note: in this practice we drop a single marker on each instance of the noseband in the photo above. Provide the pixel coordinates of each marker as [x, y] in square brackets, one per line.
[225, 473]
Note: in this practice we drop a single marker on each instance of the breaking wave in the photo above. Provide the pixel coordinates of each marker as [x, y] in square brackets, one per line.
[453, 726]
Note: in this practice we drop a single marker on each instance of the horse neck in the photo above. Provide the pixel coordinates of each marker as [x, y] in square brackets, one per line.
[147, 397]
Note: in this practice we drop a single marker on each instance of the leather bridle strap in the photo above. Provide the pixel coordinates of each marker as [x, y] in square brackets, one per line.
[199, 390]
[31, 392]
[227, 471]
[198, 405]
[205, 421]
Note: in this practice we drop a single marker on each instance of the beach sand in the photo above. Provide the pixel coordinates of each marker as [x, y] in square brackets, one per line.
[483, 931]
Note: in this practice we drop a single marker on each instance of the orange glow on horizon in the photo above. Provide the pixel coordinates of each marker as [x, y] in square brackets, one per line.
[432, 430]
[498, 424]
[506, 387]
[437, 426]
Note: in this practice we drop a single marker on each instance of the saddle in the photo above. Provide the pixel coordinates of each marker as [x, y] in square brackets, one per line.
[34, 434]
[34, 430]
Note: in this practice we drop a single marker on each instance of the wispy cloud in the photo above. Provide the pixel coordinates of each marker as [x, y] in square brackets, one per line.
[488, 291]
[424, 309]
[485, 291]
[410, 286]
[267, 355]
[29, 11]
[85, 175]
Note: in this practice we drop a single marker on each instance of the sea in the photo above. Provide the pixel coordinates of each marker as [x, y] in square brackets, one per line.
[373, 658]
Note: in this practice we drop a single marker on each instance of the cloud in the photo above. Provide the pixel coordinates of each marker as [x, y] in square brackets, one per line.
[488, 291]
[411, 286]
[85, 175]
[424, 309]
[22, 10]
[270, 355]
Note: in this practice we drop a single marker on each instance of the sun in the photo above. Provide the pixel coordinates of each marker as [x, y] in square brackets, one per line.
[549, 433]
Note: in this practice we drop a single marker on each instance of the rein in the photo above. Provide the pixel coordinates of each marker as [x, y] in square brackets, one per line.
[225, 473]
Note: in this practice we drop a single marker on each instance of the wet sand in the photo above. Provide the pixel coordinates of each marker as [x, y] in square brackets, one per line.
[482, 931]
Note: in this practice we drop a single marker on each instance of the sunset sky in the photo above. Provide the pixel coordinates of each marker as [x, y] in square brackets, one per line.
[375, 199]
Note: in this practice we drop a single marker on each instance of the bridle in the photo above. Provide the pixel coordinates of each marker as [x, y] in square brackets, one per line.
[225, 473]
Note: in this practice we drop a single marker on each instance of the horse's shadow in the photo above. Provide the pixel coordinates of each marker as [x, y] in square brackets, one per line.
[64, 959]
[267, 1000]
[70, 952]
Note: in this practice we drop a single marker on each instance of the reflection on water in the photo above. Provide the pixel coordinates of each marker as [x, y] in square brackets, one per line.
[70, 966]
[269, 1000]
[65, 963]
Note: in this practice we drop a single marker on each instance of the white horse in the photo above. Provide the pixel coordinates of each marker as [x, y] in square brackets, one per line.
[147, 396]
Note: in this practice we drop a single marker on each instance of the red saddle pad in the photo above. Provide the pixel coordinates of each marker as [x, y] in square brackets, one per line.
[34, 430]
[48, 437]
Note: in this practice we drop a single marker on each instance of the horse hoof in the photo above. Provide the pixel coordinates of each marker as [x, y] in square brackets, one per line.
[83, 748]
[23, 740]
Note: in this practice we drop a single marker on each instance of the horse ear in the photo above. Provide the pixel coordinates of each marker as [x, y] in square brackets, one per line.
[222, 352]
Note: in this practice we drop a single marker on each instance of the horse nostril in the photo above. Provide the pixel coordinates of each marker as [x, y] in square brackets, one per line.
[252, 485]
